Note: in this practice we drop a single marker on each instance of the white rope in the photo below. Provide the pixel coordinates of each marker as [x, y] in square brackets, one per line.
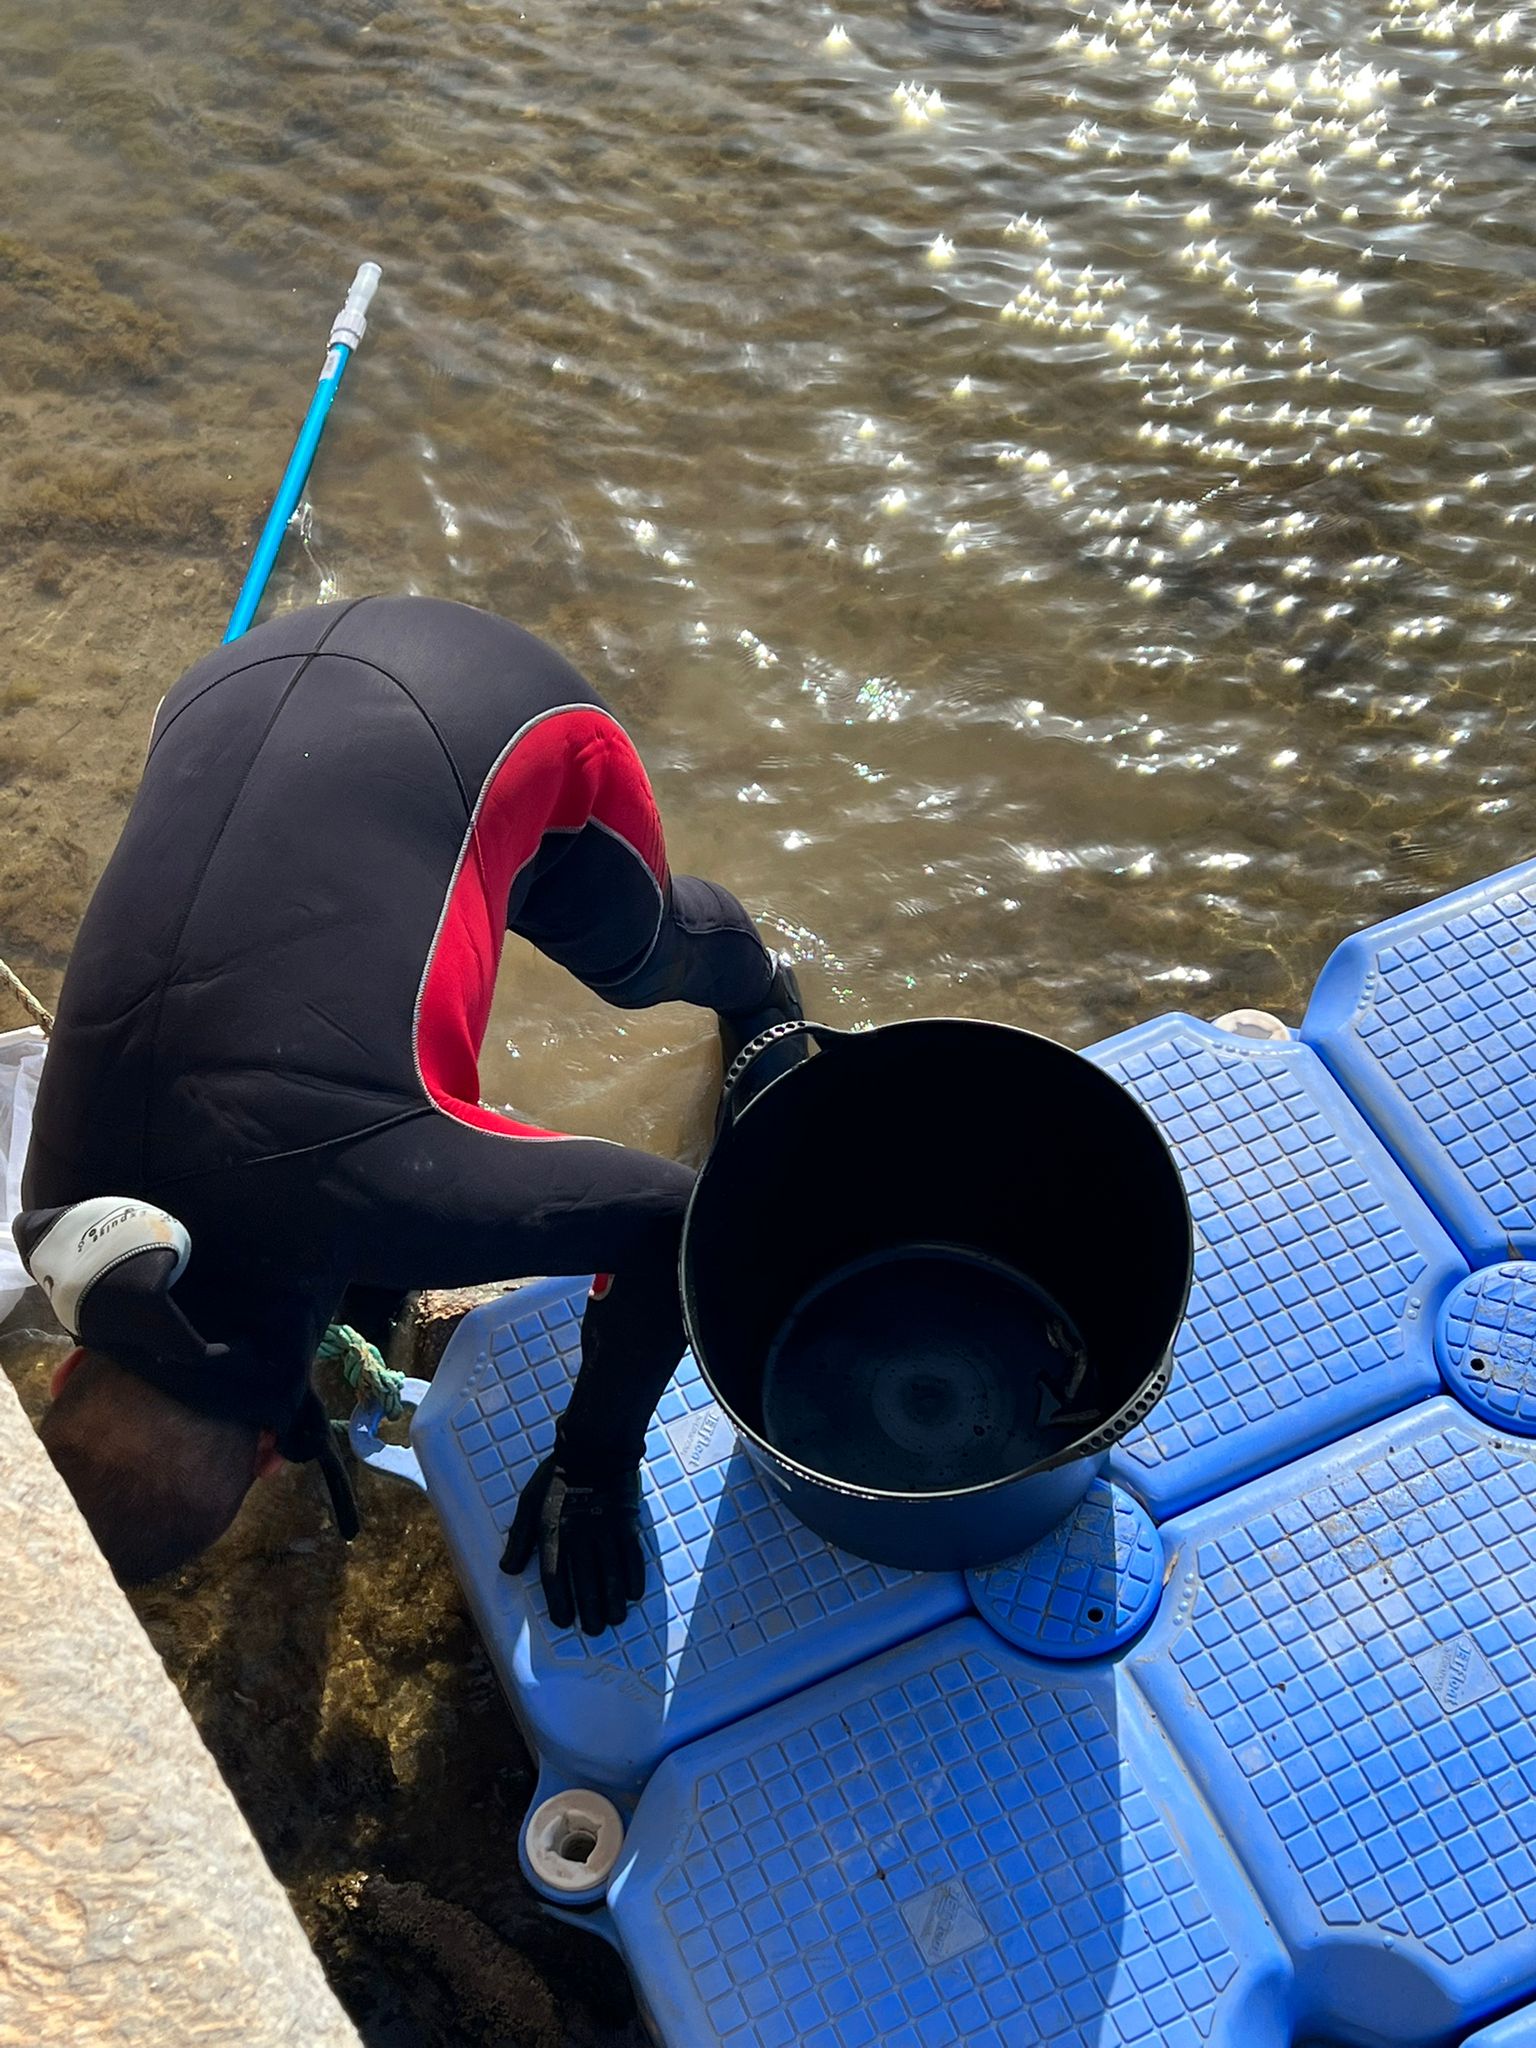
[29, 1002]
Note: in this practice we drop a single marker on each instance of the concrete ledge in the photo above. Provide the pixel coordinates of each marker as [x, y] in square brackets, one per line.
[135, 1907]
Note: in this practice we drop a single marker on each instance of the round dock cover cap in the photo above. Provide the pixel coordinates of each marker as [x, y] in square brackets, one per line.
[1486, 1341]
[572, 1841]
[1083, 1590]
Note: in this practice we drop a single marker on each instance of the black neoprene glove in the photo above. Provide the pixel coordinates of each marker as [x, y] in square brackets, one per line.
[588, 1538]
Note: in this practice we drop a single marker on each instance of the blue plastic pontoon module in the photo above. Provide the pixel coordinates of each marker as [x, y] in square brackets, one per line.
[1345, 1660]
[1318, 1269]
[744, 1603]
[1429, 1020]
[952, 1846]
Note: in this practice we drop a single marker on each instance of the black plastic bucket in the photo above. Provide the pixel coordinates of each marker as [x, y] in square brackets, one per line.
[932, 1274]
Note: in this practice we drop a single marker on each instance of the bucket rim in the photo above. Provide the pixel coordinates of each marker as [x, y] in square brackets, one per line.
[846, 1036]
[1096, 1441]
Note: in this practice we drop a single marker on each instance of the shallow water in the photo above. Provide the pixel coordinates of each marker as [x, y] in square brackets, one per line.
[1064, 544]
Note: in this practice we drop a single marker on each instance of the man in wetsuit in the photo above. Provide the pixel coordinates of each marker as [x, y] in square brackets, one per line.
[270, 1030]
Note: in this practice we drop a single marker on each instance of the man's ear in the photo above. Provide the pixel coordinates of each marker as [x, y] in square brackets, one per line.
[64, 1372]
[269, 1459]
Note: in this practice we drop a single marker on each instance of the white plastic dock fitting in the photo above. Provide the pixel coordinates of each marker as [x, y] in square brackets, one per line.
[1258, 1024]
[573, 1841]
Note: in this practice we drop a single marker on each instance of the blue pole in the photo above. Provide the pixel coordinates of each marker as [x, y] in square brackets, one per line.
[347, 331]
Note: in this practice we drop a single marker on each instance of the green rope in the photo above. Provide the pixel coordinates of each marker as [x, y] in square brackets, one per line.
[363, 1368]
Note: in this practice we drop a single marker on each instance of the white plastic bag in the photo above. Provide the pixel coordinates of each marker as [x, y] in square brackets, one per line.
[21, 1064]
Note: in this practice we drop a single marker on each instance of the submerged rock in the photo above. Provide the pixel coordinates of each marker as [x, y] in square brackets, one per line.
[468, 1977]
[423, 1333]
[1509, 328]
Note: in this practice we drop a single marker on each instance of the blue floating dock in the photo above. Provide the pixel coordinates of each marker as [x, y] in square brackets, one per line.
[1429, 1022]
[744, 1603]
[1318, 1268]
[1241, 1756]
[1304, 1807]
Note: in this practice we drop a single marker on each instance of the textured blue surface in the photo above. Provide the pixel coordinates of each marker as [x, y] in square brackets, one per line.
[953, 1846]
[1518, 2031]
[744, 1603]
[1430, 1022]
[1345, 1658]
[1318, 1270]
[1487, 1340]
[1083, 1590]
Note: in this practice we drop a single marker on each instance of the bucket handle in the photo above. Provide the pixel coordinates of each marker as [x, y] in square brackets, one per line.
[792, 1027]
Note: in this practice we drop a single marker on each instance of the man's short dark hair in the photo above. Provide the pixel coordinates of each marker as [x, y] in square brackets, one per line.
[156, 1481]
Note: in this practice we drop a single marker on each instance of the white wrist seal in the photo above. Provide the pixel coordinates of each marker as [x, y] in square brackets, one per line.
[83, 1244]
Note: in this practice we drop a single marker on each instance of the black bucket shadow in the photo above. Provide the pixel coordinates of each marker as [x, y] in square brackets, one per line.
[763, 1580]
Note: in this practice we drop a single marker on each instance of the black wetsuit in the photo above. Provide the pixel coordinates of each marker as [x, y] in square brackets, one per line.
[271, 1020]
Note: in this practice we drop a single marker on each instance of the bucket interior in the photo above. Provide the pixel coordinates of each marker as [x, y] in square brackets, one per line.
[934, 1254]
[924, 1369]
